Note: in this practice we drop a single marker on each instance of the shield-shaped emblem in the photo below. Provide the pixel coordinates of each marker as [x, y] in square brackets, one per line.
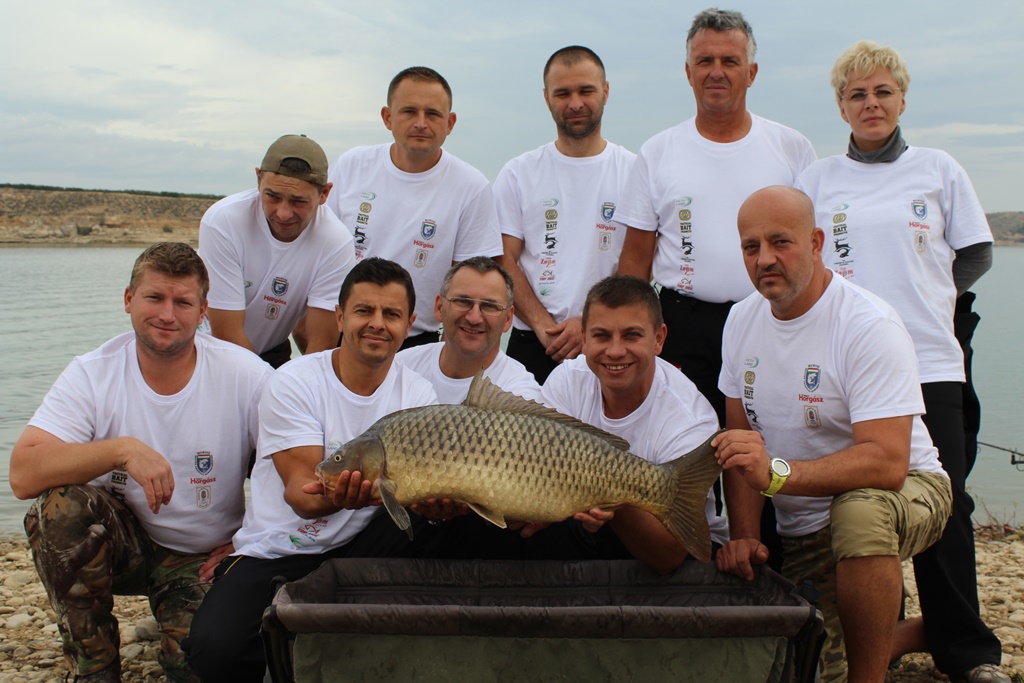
[812, 376]
[280, 286]
[428, 229]
[204, 462]
[920, 208]
[607, 210]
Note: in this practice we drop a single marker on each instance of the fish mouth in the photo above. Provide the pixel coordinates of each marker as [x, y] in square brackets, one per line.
[325, 481]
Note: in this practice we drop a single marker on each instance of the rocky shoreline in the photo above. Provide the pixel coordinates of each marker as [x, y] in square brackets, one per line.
[30, 645]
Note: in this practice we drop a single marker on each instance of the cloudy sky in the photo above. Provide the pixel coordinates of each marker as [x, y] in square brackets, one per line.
[186, 96]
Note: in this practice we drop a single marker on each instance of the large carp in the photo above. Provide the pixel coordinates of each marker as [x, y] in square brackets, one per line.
[510, 458]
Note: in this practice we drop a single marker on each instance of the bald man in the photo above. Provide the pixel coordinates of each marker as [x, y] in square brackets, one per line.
[824, 373]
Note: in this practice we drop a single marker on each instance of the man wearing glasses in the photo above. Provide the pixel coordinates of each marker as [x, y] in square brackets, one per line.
[474, 309]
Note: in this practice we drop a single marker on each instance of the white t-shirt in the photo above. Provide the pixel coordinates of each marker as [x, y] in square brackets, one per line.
[805, 382]
[892, 228]
[562, 208]
[672, 421]
[272, 281]
[206, 432]
[689, 189]
[504, 372]
[305, 404]
[422, 221]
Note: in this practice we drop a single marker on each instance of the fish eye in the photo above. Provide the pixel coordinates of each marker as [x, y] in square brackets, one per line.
[337, 457]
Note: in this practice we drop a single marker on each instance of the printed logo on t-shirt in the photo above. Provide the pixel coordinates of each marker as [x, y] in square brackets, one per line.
[920, 208]
[307, 533]
[204, 462]
[550, 202]
[607, 210]
[421, 258]
[204, 496]
[365, 207]
[428, 229]
[811, 416]
[280, 286]
[604, 241]
[273, 312]
[683, 201]
[812, 377]
[920, 241]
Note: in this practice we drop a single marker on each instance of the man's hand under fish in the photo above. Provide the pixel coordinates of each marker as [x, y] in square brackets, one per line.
[351, 492]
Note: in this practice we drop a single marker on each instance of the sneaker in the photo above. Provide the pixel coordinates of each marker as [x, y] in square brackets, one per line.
[984, 673]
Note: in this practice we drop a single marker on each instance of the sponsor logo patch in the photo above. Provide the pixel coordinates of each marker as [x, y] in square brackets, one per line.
[812, 377]
[811, 418]
[748, 377]
[920, 241]
[920, 208]
[280, 286]
[366, 207]
[204, 462]
[428, 229]
[204, 496]
[607, 210]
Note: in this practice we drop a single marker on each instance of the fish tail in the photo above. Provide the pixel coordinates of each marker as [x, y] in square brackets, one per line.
[692, 475]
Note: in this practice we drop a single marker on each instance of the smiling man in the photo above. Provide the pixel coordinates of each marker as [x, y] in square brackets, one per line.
[277, 253]
[137, 460]
[310, 407]
[621, 386]
[412, 202]
[556, 206]
[474, 309]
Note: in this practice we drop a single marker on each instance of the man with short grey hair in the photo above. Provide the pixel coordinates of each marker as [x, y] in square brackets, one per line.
[276, 254]
[686, 187]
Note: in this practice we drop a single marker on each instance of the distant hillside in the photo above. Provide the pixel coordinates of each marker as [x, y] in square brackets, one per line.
[41, 215]
[1007, 227]
[31, 214]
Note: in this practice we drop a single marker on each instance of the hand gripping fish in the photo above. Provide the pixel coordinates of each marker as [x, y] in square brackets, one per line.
[510, 458]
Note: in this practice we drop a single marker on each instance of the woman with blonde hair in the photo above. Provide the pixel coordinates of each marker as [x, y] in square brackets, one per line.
[905, 223]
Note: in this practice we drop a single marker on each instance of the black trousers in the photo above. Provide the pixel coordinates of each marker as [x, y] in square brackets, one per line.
[947, 581]
[421, 338]
[224, 642]
[524, 346]
[694, 342]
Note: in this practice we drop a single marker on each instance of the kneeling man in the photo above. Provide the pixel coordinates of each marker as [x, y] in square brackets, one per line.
[824, 409]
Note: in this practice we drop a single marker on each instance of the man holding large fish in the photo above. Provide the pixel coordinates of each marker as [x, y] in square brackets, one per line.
[310, 407]
[824, 410]
[512, 460]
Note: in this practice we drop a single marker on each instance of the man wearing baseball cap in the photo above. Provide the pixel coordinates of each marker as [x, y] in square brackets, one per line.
[275, 253]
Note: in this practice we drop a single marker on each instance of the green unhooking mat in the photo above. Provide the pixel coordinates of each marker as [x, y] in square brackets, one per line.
[504, 621]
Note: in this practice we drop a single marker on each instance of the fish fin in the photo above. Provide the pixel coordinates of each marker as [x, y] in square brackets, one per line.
[483, 393]
[495, 518]
[397, 512]
[692, 477]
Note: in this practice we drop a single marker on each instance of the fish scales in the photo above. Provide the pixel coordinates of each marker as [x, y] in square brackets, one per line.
[516, 464]
[510, 458]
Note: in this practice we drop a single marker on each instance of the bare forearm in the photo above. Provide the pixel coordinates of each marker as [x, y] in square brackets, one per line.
[638, 253]
[647, 539]
[321, 330]
[36, 467]
[743, 506]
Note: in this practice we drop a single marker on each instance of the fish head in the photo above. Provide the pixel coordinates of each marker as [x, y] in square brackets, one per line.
[363, 454]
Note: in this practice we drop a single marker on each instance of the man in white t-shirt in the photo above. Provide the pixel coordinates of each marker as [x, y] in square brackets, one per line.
[556, 206]
[474, 309]
[410, 201]
[276, 254]
[824, 411]
[686, 186]
[157, 420]
[310, 407]
[622, 387]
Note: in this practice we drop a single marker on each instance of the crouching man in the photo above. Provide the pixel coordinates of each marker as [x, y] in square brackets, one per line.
[824, 409]
[136, 459]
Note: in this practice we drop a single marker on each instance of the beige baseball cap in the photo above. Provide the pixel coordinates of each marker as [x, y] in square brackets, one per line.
[297, 147]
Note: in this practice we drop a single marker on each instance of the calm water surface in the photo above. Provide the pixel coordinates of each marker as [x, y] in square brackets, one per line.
[65, 302]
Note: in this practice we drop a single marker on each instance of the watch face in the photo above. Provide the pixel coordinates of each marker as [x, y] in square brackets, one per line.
[780, 467]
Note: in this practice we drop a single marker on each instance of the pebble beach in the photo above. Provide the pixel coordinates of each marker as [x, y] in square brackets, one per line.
[30, 645]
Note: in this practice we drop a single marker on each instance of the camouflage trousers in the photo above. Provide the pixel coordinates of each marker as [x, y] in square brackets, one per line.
[87, 547]
[865, 523]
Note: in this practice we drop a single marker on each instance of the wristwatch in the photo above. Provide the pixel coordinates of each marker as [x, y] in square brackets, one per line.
[779, 470]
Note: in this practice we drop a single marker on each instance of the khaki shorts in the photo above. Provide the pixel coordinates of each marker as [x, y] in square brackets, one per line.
[865, 523]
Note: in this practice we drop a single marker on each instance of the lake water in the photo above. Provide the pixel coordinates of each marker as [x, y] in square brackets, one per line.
[69, 301]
